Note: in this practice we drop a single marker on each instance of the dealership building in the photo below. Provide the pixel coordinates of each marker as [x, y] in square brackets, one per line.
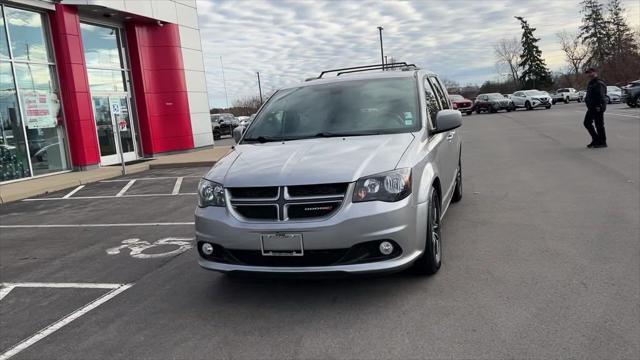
[87, 83]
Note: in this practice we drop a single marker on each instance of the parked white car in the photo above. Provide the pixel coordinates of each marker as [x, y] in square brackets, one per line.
[531, 99]
[614, 94]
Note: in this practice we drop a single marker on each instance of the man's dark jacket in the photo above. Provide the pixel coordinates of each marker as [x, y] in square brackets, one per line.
[596, 94]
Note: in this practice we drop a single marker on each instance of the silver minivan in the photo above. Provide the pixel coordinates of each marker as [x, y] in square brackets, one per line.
[347, 174]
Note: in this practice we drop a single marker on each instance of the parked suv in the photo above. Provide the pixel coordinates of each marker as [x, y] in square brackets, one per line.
[347, 174]
[492, 103]
[531, 99]
[631, 94]
[614, 94]
[461, 104]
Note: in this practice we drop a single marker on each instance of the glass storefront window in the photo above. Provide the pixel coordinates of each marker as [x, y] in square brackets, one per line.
[4, 44]
[32, 136]
[14, 163]
[42, 117]
[101, 46]
[106, 80]
[27, 35]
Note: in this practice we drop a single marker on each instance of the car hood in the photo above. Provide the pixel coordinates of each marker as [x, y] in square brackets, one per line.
[311, 161]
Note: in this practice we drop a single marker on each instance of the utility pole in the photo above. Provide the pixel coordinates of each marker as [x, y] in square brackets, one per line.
[259, 87]
[380, 28]
[224, 83]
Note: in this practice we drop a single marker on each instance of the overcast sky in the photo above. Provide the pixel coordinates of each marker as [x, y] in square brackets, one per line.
[288, 41]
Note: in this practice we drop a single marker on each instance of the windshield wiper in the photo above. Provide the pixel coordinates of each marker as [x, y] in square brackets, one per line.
[338, 134]
[261, 139]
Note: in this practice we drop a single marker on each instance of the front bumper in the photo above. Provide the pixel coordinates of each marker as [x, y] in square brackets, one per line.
[535, 103]
[351, 226]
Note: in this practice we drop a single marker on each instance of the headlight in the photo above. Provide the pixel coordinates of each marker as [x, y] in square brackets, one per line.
[389, 187]
[210, 194]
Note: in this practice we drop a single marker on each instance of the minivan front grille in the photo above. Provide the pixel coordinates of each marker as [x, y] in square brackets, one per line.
[287, 203]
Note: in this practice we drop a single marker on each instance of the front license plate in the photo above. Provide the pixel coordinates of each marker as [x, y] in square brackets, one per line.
[282, 244]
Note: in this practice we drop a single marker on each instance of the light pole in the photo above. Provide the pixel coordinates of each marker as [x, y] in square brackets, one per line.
[380, 28]
[224, 83]
[259, 87]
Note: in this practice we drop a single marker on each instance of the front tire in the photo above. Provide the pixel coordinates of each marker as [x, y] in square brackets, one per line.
[469, 112]
[566, 100]
[431, 260]
[457, 191]
[548, 107]
[608, 100]
[527, 105]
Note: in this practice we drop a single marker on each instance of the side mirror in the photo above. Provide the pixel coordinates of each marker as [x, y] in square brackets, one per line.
[237, 133]
[447, 120]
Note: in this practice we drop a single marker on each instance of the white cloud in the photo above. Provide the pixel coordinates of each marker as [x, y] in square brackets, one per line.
[288, 41]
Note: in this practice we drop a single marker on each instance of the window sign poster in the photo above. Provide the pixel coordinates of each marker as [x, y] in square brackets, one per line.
[38, 110]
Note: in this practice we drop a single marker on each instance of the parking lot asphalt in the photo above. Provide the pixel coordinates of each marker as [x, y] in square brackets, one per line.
[541, 259]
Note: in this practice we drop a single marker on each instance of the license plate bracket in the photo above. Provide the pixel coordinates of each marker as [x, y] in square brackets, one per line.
[281, 244]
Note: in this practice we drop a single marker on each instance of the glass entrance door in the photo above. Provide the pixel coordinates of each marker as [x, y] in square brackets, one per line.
[112, 114]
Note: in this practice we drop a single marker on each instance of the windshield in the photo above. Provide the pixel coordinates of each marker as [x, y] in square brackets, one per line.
[456, 97]
[535, 92]
[359, 107]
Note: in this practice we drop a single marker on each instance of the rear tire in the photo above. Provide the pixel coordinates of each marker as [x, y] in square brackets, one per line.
[469, 112]
[430, 261]
[548, 107]
[635, 102]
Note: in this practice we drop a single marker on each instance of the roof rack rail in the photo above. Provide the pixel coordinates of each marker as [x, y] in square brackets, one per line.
[402, 66]
[366, 68]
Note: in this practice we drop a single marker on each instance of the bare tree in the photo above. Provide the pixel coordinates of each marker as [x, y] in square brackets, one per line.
[507, 53]
[574, 51]
[452, 86]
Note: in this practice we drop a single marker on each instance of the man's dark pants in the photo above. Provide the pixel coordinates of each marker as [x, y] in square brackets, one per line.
[598, 134]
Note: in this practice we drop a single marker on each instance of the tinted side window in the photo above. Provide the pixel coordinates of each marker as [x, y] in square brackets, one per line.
[433, 105]
[444, 103]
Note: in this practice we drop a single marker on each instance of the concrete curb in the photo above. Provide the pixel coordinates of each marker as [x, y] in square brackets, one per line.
[182, 165]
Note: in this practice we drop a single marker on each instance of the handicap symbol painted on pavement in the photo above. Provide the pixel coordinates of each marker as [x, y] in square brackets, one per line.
[137, 247]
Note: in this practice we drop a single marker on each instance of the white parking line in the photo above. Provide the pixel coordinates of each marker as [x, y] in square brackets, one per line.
[176, 187]
[152, 178]
[106, 197]
[125, 188]
[610, 113]
[24, 344]
[631, 116]
[73, 192]
[21, 226]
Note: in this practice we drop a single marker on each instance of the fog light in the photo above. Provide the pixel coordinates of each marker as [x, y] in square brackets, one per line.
[207, 249]
[386, 248]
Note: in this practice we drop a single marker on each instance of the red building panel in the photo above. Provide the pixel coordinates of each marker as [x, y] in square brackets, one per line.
[157, 72]
[74, 88]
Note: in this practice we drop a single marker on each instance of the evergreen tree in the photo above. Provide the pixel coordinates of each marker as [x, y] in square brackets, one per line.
[534, 70]
[622, 41]
[595, 33]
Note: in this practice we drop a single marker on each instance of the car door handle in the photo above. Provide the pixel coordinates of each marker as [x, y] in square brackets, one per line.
[450, 136]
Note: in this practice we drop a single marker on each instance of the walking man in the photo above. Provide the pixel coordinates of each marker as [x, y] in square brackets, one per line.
[596, 102]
